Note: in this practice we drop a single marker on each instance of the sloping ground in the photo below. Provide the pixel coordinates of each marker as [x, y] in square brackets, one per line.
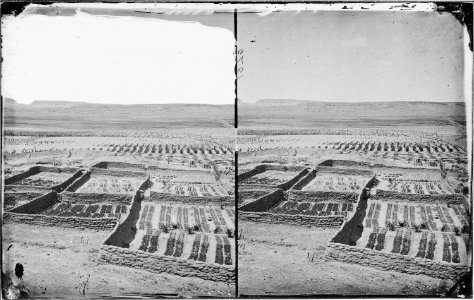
[278, 259]
[75, 115]
[274, 113]
[50, 272]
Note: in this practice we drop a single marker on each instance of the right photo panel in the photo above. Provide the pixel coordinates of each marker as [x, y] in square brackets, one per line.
[353, 150]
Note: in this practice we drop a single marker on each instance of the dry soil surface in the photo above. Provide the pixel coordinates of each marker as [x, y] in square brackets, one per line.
[289, 260]
[58, 260]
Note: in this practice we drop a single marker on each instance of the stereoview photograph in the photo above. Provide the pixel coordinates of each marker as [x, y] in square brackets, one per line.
[353, 169]
[118, 152]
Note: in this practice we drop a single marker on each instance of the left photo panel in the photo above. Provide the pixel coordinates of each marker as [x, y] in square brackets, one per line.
[118, 150]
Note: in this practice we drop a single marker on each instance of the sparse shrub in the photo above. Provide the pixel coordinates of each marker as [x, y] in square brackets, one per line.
[458, 230]
[190, 230]
[417, 228]
[465, 228]
[165, 229]
[390, 226]
[444, 228]
[401, 223]
[423, 225]
[219, 230]
[230, 232]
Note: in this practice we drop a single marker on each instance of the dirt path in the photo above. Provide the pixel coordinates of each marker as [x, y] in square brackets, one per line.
[57, 260]
[276, 259]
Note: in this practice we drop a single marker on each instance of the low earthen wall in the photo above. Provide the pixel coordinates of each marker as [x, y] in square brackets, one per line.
[287, 185]
[301, 220]
[119, 165]
[93, 198]
[70, 222]
[10, 199]
[215, 200]
[79, 182]
[165, 264]
[344, 172]
[304, 180]
[394, 262]
[62, 186]
[37, 205]
[117, 173]
[25, 188]
[125, 232]
[252, 194]
[264, 167]
[319, 196]
[264, 203]
[429, 199]
[18, 177]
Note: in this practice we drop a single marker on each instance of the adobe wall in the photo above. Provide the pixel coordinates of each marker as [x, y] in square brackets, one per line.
[344, 163]
[37, 205]
[62, 186]
[264, 203]
[304, 180]
[345, 172]
[119, 165]
[10, 199]
[352, 229]
[38, 169]
[248, 174]
[264, 167]
[93, 198]
[24, 189]
[70, 222]
[165, 264]
[301, 220]
[79, 182]
[252, 194]
[117, 173]
[394, 262]
[429, 199]
[215, 200]
[319, 196]
[18, 177]
[255, 187]
[287, 185]
[68, 170]
[125, 232]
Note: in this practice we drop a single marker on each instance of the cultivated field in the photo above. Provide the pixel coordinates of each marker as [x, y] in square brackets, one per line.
[77, 186]
[385, 193]
[110, 184]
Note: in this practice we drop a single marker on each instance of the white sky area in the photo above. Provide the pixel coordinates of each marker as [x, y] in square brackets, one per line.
[349, 56]
[116, 60]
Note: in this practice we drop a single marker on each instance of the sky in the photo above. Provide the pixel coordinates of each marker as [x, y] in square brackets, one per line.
[101, 54]
[351, 56]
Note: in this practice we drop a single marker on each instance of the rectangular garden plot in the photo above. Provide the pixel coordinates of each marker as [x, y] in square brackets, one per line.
[334, 182]
[207, 248]
[44, 178]
[435, 246]
[412, 181]
[312, 208]
[276, 176]
[12, 199]
[99, 210]
[107, 184]
[183, 240]
[207, 219]
[422, 235]
[271, 177]
[417, 215]
[188, 189]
